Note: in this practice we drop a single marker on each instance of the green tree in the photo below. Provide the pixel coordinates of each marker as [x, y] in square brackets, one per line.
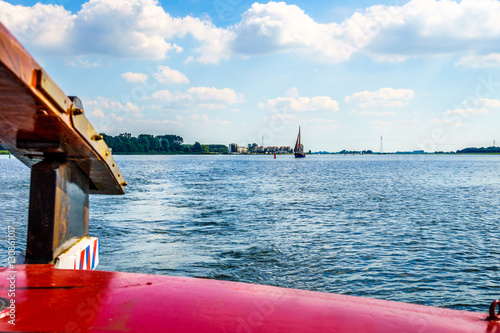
[251, 147]
[169, 143]
[155, 144]
[175, 141]
[221, 149]
[145, 140]
[165, 145]
[196, 147]
[131, 147]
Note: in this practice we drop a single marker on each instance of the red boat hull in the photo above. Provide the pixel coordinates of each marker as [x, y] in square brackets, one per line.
[53, 300]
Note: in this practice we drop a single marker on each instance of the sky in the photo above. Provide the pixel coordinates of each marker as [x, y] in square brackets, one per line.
[421, 74]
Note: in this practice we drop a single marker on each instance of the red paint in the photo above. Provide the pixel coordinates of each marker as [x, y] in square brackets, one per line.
[82, 259]
[55, 300]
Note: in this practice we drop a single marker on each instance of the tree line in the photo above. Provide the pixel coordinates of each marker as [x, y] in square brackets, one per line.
[482, 150]
[125, 143]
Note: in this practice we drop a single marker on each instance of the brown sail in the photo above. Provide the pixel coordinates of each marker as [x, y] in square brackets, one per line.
[299, 148]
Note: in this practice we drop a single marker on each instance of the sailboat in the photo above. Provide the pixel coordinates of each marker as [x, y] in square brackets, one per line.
[299, 148]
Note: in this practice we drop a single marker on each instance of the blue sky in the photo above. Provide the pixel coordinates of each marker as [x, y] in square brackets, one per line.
[423, 74]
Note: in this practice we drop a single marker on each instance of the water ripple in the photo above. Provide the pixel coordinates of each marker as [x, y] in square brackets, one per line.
[414, 229]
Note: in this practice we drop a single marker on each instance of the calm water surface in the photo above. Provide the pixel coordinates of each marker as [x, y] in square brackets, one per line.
[420, 229]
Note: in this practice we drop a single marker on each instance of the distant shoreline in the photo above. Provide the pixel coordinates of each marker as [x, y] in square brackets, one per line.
[313, 153]
[6, 152]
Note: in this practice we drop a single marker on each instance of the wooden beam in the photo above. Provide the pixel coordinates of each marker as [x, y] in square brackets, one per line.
[58, 211]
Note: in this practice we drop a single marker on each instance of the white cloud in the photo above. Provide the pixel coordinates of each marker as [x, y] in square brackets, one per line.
[389, 58]
[211, 106]
[214, 41]
[102, 103]
[167, 75]
[466, 111]
[294, 103]
[122, 28]
[45, 26]
[116, 118]
[142, 28]
[478, 61]
[206, 120]
[127, 28]
[164, 95]
[276, 27]
[132, 107]
[490, 103]
[387, 33]
[97, 113]
[134, 77]
[438, 27]
[97, 106]
[225, 95]
[475, 106]
[199, 97]
[84, 63]
[448, 122]
[384, 97]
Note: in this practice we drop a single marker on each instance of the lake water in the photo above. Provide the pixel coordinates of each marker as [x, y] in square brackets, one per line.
[420, 229]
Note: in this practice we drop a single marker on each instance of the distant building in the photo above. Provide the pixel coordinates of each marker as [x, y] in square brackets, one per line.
[233, 148]
[272, 149]
[285, 149]
[259, 150]
[242, 150]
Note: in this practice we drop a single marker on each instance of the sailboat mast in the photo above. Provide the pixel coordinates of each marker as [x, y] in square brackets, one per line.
[299, 139]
